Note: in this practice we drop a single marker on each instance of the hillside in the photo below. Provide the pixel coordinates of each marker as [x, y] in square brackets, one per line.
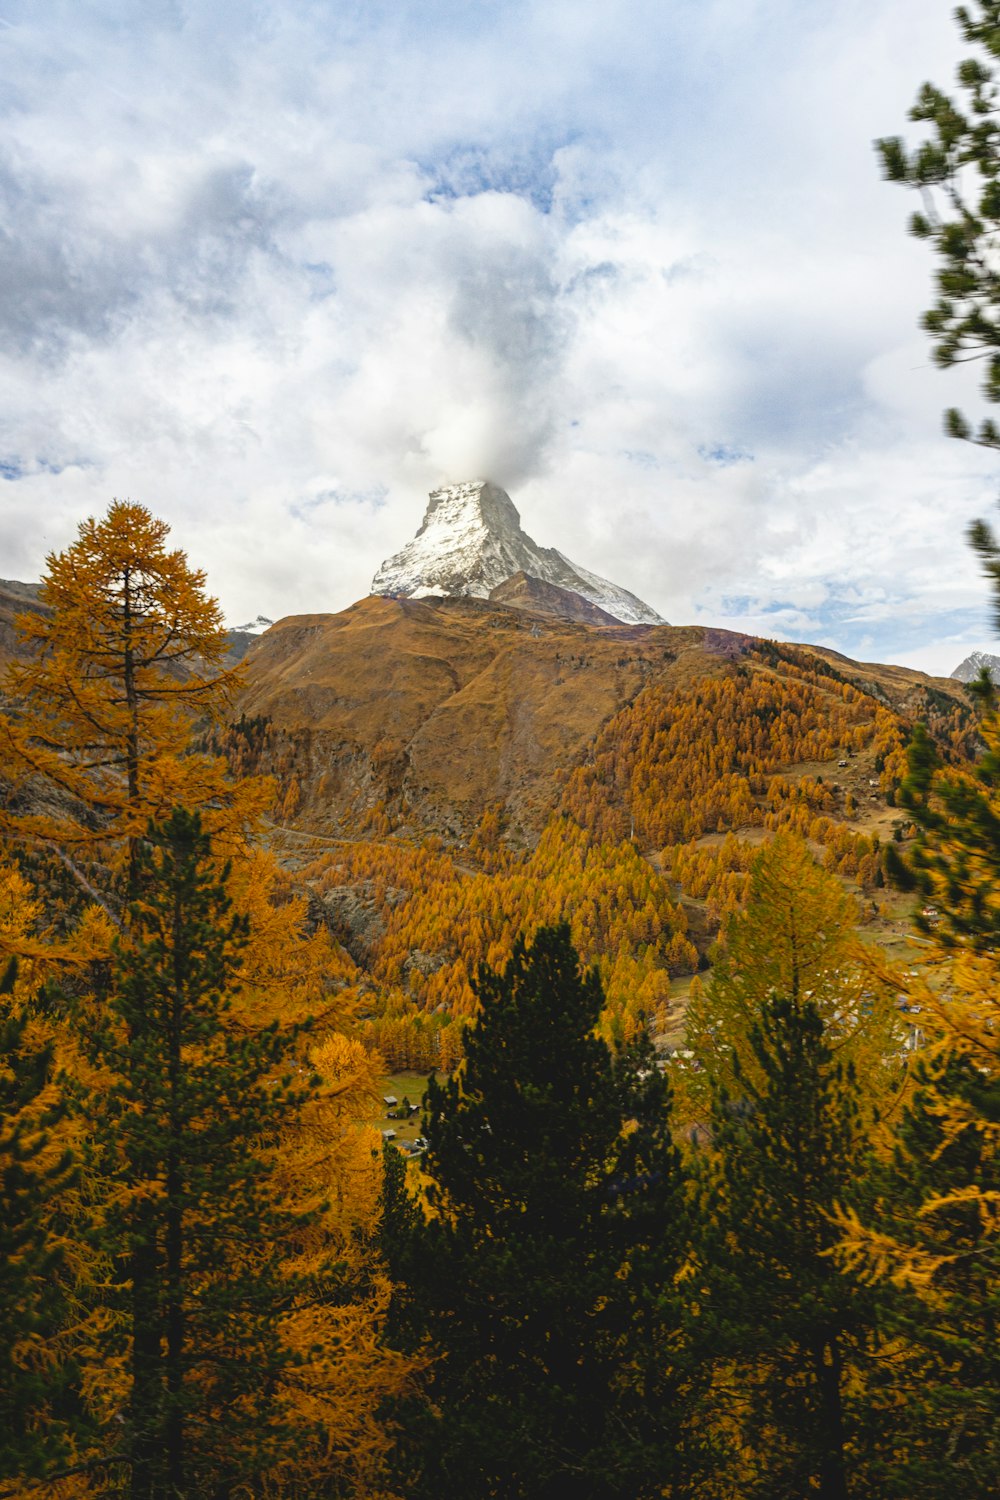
[452, 771]
[427, 712]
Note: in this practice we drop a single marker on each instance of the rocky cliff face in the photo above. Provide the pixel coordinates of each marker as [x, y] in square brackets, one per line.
[471, 542]
[538, 598]
[15, 599]
[970, 668]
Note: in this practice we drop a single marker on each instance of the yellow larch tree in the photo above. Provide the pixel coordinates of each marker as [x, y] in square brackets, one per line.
[125, 654]
[794, 938]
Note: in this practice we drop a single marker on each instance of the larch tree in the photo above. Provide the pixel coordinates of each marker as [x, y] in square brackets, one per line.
[97, 745]
[126, 652]
[927, 1238]
[794, 937]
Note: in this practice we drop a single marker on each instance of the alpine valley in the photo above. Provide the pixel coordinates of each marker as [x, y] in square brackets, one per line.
[496, 738]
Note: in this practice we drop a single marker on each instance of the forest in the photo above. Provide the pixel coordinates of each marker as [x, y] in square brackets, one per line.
[760, 1264]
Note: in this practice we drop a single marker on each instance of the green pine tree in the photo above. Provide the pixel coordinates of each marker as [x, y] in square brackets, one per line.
[956, 170]
[773, 1309]
[544, 1277]
[954, 861]
[190, 1219]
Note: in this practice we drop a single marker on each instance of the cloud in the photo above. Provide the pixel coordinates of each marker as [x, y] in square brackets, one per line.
[277, 270]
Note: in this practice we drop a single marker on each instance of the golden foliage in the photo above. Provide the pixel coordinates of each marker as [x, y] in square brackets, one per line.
[678, 763]
[796, 938]
[331, 1166]
[128, 655]
[440, 922]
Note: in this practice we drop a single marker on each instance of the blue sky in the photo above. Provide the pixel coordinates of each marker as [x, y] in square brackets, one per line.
[277, 270]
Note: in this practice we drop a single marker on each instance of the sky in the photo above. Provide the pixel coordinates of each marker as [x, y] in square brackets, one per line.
[278, 268]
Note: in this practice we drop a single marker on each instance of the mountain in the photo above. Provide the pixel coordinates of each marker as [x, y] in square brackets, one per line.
[252, 627]
[454, 770]
[969, 669]
[437, 709]
[15, 599]
[538, 598]
[242, 637]
[471, 542]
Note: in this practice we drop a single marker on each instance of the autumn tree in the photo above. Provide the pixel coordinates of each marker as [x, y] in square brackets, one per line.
[544, 1275]
[36, 1169]
[927, 1239]
[796, 938]
[125, 652]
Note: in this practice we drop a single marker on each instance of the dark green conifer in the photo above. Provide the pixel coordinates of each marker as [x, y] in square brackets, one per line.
[545, 1277]
[775, 1314]
[189, 1214]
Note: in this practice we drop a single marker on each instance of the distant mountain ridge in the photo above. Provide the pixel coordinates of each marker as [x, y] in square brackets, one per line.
[471, 542]
[969, 669]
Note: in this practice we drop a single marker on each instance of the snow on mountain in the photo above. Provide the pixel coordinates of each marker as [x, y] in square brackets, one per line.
[471, 541]
[253, 627]
[969, 669]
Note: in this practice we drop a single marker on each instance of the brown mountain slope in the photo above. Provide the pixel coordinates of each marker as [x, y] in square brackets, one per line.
[424, 713]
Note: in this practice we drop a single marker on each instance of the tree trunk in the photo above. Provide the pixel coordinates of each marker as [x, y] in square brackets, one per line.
[833, 1475]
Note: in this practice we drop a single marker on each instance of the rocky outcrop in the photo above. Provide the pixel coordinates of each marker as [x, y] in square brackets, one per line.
[538, 598]
[969, 669]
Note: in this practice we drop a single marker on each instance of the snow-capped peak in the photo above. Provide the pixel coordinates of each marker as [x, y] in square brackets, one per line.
[253, 627]
[471, 541]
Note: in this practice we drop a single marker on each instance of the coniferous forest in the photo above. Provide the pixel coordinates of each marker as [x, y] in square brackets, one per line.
[764, 1265]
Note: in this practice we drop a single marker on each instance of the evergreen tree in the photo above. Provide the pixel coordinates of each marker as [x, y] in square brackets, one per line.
[544, 1276]
[771, 1302]
[956, 169]
[954, 861]
[190, 1107]
[35, 1172]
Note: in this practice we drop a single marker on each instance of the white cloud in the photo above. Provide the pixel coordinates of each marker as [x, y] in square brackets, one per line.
[277, 270]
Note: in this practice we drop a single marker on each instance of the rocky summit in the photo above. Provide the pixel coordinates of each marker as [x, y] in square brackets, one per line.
[471, 543]
[973, 664]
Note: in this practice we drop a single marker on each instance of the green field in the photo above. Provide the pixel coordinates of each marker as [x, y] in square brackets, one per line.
[411, 1086]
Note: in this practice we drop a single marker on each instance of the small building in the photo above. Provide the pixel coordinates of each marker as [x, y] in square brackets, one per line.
[390, 1101]
[388, 1135]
